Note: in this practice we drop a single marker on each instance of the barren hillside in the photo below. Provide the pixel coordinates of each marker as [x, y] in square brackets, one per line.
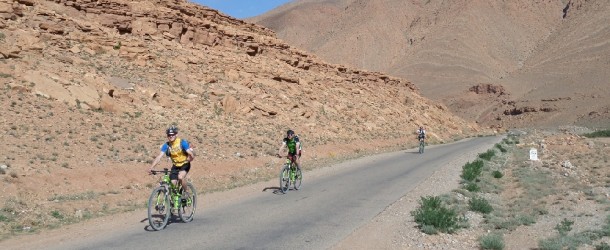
[88, 88]
[545, 62]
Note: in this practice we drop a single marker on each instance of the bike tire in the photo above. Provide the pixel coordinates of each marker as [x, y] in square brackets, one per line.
[298, 178]
[421, 147]
[284, 179]
[158, 208]
[188, 204]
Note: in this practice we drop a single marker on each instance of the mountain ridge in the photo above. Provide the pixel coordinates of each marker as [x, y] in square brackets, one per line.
[448, 47]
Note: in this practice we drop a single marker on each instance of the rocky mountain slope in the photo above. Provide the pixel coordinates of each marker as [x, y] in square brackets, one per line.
[547, 61]
[88, 87]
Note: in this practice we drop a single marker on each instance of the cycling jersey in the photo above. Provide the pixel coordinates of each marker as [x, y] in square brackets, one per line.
[292, 144]
[176, 150]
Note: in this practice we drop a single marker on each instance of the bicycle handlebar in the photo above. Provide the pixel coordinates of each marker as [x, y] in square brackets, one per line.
[164, 171]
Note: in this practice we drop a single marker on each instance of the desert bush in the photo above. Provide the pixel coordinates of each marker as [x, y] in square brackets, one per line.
[56, 214]
[601, 133]
[602, 246]
[433, 216]
[470, 171]
[492, 241]
[480, 205]
[472, 187]
[497, 174]
[605, 231]
[502, 149]
[568, 241]
[487, 155]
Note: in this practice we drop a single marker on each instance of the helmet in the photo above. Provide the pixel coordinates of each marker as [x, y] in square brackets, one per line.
[171, 130]
[290, 132]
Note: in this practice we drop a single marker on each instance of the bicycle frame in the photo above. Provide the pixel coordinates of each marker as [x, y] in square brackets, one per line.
[173, 190]
[168, 199]
[289, 174]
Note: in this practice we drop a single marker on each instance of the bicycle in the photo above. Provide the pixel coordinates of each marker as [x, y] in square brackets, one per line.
[422, 144]
[167, 198]
[290, 174]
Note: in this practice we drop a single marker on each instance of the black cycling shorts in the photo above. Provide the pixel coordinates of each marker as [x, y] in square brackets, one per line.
[175, 170]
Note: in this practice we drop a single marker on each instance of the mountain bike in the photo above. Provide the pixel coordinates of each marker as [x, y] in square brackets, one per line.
[290, 174]
[422, 144]
[168, 199]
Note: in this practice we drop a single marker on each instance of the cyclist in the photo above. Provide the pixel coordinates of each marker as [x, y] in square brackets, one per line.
[421, 133]
[294, 148]
[181, 154]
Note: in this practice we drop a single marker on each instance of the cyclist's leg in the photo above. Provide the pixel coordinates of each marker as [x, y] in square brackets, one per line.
[297, 160]
[182, 175]
[173, 175]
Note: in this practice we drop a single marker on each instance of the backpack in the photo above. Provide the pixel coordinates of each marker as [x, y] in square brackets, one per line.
[167, 153]
[300, 142]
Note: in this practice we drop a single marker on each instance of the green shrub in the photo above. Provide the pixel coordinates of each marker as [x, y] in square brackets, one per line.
[472, 187]
[57, 214]
[564, 227]
[497, 174]
[605, 231]
[481, 205]
[471, 171]
[429, 229]
[492, 241]
[502, 149]
[550, 244]
[601, 133]
[432, 216]
[602, 246]
[487, 155]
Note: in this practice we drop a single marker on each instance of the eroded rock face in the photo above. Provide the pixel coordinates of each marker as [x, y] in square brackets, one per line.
[88, 88]
[488, 89]
[124, 56]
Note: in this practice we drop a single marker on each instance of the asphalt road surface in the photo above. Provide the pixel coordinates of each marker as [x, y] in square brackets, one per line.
[326, 209]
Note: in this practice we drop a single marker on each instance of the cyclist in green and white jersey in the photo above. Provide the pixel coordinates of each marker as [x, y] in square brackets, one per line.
[292, 143]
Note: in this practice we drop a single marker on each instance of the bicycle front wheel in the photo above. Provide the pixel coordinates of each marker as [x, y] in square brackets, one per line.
[188, 204]
[421, 147]
[298, 177]
[158, 208]
[284, 179]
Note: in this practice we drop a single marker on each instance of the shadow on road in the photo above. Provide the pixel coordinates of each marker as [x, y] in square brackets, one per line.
[276, 190]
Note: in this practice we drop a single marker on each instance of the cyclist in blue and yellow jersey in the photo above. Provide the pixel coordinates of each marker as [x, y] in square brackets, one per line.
[294, 148]
[181, 154]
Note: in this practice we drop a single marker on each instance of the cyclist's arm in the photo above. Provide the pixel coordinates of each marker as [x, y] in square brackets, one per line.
[279, 152]
[191, 154]
[156, 161]
[298, 146]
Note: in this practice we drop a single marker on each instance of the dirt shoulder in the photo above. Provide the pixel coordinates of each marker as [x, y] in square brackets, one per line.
[568, 183]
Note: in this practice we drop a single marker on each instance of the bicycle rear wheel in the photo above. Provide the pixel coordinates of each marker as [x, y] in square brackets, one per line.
[284, 179]
[158, 208]
[187, 208]
[298, 177]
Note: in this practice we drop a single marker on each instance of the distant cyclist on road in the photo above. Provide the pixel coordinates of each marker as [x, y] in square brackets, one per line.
[421, 133]
[181, 154]
[294, 148]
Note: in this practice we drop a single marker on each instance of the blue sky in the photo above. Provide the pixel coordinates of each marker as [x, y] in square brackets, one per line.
[242, 8]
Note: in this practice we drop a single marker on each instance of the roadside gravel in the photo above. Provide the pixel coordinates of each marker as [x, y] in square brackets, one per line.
[394, 228]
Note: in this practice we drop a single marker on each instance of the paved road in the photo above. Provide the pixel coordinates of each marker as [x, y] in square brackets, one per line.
[326, 209]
